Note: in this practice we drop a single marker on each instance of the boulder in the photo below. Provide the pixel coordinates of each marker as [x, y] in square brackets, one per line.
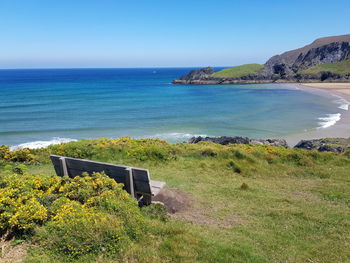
[337, 145]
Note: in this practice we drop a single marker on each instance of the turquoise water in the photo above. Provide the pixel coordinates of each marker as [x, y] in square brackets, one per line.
[46, 105]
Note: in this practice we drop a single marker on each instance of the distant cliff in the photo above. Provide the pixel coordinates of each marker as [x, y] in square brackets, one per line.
[325, 59]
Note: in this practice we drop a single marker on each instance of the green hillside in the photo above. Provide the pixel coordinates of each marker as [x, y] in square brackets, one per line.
[239, 71]
[247, 204]
[341, 68]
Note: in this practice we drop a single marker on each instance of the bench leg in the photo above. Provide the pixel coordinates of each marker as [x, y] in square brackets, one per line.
[64, 170]
[130, 183]
[146, 200]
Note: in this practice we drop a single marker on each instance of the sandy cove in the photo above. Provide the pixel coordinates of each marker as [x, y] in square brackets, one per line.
[342, 89]
[341, 128]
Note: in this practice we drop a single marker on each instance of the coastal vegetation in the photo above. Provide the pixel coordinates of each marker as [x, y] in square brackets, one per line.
[341, 68]
[239, 71]
[244, 203]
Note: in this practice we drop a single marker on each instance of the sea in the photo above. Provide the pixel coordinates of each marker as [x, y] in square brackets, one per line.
[39, 107]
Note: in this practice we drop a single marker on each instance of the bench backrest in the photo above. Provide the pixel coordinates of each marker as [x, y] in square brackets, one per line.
[136, 180]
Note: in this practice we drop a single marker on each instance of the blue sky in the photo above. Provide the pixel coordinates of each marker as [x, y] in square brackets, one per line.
[152, 33]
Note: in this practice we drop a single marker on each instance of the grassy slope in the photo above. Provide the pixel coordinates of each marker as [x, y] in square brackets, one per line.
[239, 71]
[342, 68]
[296, 208]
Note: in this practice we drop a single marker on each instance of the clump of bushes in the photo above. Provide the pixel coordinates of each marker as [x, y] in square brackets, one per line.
[74, 217]
[151, 152]
[22, 155]
[126, 147]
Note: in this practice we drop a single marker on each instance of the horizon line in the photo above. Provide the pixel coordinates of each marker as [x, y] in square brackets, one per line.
[155, 67]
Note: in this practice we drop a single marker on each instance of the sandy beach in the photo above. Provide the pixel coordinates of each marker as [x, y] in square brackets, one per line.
[342, 89]
[341, 128]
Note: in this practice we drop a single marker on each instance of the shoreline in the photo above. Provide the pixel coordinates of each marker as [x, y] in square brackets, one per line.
[341, 128]
[340, 89]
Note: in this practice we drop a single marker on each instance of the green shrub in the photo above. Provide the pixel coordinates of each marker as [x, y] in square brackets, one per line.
[77, 230]
[81, 149]
[149, 152]
[20, 206]
[29, 200]
[71, 216]
[22, 155]
[4, 150]
[19, 169]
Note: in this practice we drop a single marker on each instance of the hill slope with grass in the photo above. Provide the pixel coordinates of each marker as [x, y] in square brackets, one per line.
[239, 71]
[241, 203]
[340, 68]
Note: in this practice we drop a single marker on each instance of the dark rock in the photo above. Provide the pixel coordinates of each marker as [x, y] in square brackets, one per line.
[333, 52]
[325, 145]
[224, 140]
[197, 74]
[327, 148]
[306, 144]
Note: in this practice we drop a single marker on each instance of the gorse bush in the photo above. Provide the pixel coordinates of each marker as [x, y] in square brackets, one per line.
[142, 149]
[77, 230]
[23, 155]
[75, 217]
[4, 150]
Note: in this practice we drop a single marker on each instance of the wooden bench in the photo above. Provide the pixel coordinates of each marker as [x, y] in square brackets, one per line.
[136, 180]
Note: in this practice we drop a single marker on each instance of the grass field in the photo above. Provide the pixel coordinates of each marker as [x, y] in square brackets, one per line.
[341, 68]
[249, 203]
[239, 71]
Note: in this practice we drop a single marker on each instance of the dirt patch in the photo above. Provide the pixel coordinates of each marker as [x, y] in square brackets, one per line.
[174, 200]
[12, 254]
[180, 205]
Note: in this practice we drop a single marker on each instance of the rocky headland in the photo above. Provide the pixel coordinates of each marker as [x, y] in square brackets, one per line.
[325, 59]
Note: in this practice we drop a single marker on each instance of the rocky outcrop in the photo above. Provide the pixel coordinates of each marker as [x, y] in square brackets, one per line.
[224, 140]
[322, 76]
[195, 75]
[325, 145]
[286, 67]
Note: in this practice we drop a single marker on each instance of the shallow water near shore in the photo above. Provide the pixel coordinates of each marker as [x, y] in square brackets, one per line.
[43, 106]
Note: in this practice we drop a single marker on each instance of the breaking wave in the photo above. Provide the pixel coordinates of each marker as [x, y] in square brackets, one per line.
[41, 144]
[176, 136]
[342, 103]
[329, 120]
